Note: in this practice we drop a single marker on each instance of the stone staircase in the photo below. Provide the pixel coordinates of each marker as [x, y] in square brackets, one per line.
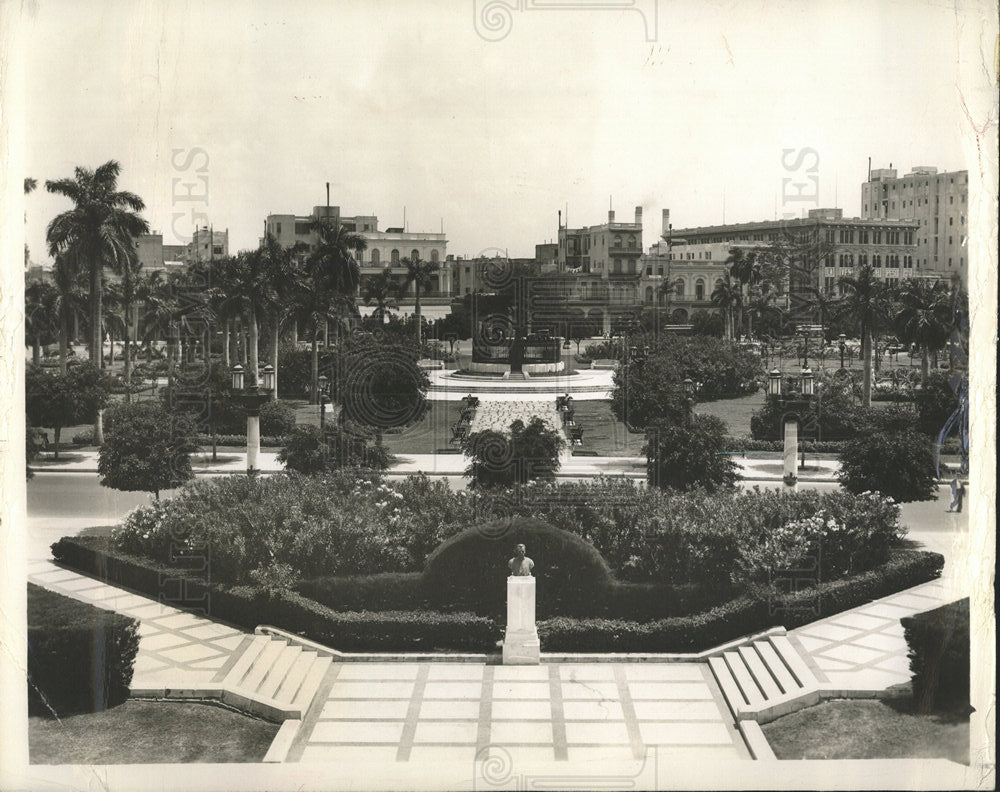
[765, 678]
[267, 677]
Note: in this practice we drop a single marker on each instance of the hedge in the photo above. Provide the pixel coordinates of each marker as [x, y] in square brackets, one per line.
[409, 630]
[747, 614]
[80, 658]
[399, 630]
[737, 444]
[239, 441]
[939, 656]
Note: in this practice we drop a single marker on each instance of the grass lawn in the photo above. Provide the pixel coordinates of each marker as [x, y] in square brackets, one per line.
[603, 433]
[150, 732]
[868, 729]
[735, 412]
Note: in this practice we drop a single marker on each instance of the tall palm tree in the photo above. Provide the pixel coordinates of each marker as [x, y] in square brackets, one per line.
[279, 264]
[39, 315]
[419, 273]
[745, 269]
[249, 295]
[727, 296]
[380, 290]
[865, 300]
[71, 302]
[99, 229]
[924, 318]
[824, 303]
[332, 267]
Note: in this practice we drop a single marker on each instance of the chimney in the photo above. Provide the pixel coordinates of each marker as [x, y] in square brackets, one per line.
[665, 226]
[560, 218]
[638, 215]
[611, 215]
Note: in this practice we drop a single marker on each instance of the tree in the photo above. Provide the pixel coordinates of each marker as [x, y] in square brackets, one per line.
[70, 303]
[825, 304]
[419, 273]
[924, 318]
[332, 266]
[526, 453]
[29, 187]
[380, 290]
[685, 456]
[865, 300]
[147, 449]
[99, 231]
[58, 400]
[308, 450]
[39, 315]
[729, 300]
[898, 464]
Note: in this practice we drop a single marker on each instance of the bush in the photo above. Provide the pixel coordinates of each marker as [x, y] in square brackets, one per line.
[80, 658]
[685, 456]
[526, 453]
[247, 607]
[936, 401]
[239, 440]
[309, 451]
[740, 616]
[469, 570]
[86, 437]
[377, 592]
[938, 642]
[833, 413]
[900, 465]
[146, 449]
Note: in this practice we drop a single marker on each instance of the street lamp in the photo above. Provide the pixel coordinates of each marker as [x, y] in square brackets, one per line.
[792, 407]
[843, 346]
[805, 349]
[251, 399]
[324, 398]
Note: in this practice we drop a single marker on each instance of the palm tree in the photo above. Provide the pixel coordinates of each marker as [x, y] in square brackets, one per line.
[314, 306]
[728, 298]
[418, 273]
[380, 290]
[70, 303]
[824, 303]
[29, 186]
[865, 300]
[249, 294]
[924, 318]
[39, 315]
[744, 266]
[332, 266]
[99, 229]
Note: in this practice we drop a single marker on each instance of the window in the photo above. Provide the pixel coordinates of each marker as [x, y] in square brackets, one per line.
[876, 261]
[414, 254]
[699, 289]
[301, 229]
[679, 287]
[659, 270]
[217, 250]
[394, 257]
[708, 255]
[435, 255]
[277, 227]
[864, 236]
[877, 237]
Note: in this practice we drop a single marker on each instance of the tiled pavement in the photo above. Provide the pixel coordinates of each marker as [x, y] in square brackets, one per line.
[392, 712]
[864, 648]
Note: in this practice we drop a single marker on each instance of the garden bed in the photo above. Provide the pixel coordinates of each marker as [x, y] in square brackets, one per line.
[427, 630]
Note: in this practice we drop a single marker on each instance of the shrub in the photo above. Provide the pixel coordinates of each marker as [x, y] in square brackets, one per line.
[938, 642]
[146, 449]
[80, 658]
[936, 401]
[469, 570]
[526, 453]
[86, 437]
[686, 455]
[377, 592]
[239, 440]
[277, 418]
[833, 411]
[402, 630]
[898, 464]
[309, 451]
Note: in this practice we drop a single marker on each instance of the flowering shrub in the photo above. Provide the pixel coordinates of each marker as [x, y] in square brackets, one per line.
[278, 531]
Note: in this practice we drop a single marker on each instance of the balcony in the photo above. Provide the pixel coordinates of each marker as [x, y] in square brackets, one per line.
[618, 276]
[624, 251]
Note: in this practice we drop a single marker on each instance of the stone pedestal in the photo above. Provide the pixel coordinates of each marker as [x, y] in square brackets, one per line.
[791, 450]
[520, 641]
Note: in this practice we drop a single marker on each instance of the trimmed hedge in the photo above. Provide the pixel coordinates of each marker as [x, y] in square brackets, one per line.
[239, 440]
[243, 606]
[469, 570]
[80, 658]
[409, 630]
[939, 656]
[378, 592]
[741, 616]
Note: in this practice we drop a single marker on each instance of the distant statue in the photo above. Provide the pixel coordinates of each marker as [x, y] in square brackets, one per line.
[520, 565]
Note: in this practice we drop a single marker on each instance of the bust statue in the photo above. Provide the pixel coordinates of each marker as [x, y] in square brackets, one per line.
[520, 565]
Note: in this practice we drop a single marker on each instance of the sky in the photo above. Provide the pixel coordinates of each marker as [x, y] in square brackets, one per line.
[223, 112]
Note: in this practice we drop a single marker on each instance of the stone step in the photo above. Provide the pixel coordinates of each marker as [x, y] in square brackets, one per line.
[279, 671]
[262, 665]
[776, 666]
[730, 690]
[311, 683]
[748, 687]
[289, 687]
[793, 661]
[242, 666]
[762, 676]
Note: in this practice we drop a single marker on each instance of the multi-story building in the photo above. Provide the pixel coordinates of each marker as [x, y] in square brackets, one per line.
[384, 248]
[206, 245]
[937, 202]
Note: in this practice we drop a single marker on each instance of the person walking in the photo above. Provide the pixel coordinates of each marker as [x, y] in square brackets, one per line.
[957, 495]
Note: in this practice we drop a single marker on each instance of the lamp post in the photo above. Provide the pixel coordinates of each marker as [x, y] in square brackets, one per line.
[688, 400]
[252, 398]
[843, 346]
[805, 349]
[324, 398]
[791, 406]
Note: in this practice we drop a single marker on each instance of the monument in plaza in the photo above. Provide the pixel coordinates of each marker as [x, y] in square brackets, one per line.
[520, 640]
[514, 353]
